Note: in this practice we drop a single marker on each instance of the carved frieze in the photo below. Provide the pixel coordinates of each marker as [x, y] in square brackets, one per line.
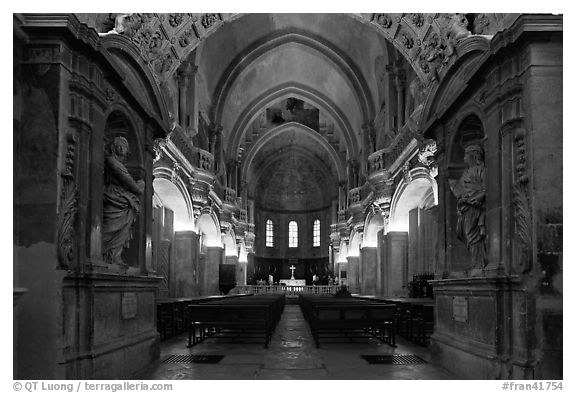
[68, 207]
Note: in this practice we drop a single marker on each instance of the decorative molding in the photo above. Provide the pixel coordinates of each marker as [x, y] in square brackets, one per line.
[68, 207]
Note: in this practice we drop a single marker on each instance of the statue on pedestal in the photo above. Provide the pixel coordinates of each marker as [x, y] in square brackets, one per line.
[471, 193]
[121, 201]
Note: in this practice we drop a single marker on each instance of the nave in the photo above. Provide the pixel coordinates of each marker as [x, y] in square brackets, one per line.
[292, 354]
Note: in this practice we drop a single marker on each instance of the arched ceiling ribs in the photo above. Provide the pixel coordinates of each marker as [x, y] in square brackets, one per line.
[299, 128]
[278, 93]
[343, 62]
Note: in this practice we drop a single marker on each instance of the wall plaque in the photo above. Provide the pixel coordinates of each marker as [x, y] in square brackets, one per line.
[460, 308]
[129, 305]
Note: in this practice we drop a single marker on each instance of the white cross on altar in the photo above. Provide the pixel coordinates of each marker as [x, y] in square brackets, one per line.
[292, 268]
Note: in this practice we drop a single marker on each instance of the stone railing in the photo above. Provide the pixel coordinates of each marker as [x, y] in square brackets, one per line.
[342, 216]
[289, 291]
[355, 195]
[229, 195]
[197, 157]
[205, 160]
[384, 158]
[242, 215]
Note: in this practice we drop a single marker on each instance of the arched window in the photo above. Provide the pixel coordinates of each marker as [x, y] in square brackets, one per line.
[316, 234]
[293, 234]
[269, 233]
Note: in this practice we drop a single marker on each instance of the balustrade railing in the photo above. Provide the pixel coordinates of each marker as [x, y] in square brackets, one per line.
[289, 290]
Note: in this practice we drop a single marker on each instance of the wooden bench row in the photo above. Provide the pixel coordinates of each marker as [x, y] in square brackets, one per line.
[171, 314]
[253, 316]
[330, 317]
[415, 317]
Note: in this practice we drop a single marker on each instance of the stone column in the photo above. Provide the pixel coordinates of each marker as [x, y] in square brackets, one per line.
[399, 83]
[413, 242]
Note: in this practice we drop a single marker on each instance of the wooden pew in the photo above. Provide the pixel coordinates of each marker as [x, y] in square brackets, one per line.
[332, 316]
[259, 315]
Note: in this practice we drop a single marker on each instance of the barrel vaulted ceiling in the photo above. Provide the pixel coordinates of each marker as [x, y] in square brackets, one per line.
[250, 63]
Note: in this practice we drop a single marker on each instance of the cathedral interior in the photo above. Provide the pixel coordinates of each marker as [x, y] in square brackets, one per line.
[401, 158]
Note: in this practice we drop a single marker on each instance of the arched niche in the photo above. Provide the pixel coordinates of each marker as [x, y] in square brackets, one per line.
[171, 195]
[229, 242]
[119, 123]
[343, 252]
[208, 226]
[419, 190]
[470, 131]
[374, 223]
[355, 242]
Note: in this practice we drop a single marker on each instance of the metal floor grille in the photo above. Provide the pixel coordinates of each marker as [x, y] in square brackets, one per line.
[393, 359]
[193, 359]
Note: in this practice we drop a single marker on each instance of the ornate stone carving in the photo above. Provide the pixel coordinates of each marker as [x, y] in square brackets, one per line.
[470, 191]
[163, 63]
[159, 145]
[205, 160]
[417, 19]
[176, 168]
[407, 41]
[187, 37]
[68, 207]
[426, 154]
[121, 201]
[480, 24]
[209, 19]
[406, 172]
[522, 205]
[175, 20]
[383, 20]
[110, 95]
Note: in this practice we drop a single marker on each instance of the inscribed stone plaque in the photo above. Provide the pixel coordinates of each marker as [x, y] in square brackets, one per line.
[129, 305]
[460, 308]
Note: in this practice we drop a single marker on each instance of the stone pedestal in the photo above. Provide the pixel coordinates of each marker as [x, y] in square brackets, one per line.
[480, 329]
[109, 326]
[368, 264]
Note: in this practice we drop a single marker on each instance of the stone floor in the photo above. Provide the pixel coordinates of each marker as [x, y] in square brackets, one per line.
[292, 354]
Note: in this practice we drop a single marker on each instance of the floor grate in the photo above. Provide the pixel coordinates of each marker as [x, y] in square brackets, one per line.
[193, 359]
[393, 359]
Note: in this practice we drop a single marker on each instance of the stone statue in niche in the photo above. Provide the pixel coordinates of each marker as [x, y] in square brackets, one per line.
[121, 201]
[470, 190]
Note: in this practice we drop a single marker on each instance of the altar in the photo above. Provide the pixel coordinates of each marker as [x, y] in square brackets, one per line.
[292, 282]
